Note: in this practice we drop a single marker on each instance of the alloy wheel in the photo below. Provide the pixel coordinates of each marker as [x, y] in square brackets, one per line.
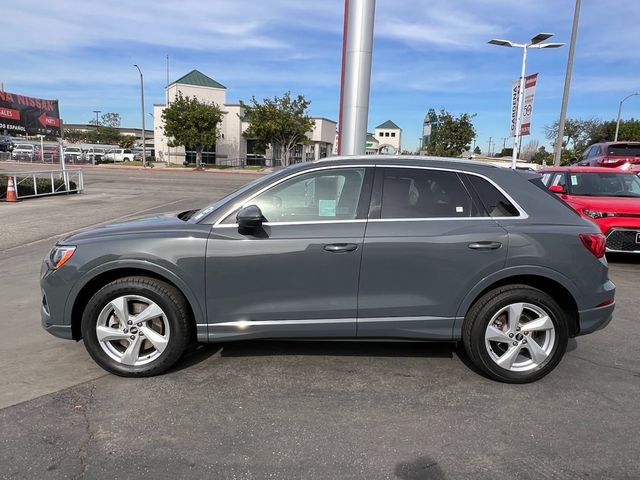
[520, 337]
[133, 330]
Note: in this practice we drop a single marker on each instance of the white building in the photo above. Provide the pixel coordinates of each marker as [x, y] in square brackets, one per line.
[232, 148]
[389, 137]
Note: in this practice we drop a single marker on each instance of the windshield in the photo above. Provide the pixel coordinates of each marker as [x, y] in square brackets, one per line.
[624, 150]
[73, 150]
[604, 184]
[24, 146]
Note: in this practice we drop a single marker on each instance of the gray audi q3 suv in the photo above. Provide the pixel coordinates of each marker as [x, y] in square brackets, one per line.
[360, 247]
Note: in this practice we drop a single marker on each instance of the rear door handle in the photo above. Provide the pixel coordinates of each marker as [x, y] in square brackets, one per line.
[485, 245]
[340, 247]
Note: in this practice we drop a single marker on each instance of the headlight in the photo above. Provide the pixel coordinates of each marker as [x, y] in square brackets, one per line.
[60, 255]
[596, 214]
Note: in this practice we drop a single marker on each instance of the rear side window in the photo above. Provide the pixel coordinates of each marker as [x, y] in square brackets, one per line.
[422, 193]
[496, 204]
[624, 150]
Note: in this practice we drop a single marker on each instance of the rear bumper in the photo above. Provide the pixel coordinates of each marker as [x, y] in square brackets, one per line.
[595, 319]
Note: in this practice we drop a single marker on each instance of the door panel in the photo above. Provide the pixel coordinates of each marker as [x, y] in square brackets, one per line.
[297, 275]
[416, 271]
[284, 275]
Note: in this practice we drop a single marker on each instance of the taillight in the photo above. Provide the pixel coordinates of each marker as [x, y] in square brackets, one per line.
[596, 243]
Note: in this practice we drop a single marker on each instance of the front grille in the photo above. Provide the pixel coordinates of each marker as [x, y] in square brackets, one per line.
[623, 241]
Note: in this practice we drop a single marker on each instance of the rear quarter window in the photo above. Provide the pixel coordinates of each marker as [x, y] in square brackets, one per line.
[494, 201]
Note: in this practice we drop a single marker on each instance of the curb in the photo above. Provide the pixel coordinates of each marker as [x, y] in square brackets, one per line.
[156, 169]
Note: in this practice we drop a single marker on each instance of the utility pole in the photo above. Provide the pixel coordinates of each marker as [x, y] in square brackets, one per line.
[557, 151]
[97, 121]
[489, 149]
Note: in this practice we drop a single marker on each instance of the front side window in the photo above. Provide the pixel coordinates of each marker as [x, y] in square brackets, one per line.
[421, 193]
[325, 195]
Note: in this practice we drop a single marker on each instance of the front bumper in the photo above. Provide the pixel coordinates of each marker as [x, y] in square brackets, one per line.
[54, 294]
[595, 319]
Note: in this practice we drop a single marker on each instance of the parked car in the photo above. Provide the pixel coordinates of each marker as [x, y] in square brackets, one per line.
[51, 154]
[6, 143]
[94, 155]
[118, 155]
[24, 151]
[383, 247]
[74, 155]
[611, 154]
[609, 198]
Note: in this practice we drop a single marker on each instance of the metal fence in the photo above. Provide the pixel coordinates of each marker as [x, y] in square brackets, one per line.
[44, 182]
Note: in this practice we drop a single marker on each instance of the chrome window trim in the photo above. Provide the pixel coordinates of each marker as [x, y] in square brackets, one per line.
[523, 214]
[295, 174]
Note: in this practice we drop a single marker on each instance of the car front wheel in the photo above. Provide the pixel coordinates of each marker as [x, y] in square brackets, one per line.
[515, 334]
[136, 326]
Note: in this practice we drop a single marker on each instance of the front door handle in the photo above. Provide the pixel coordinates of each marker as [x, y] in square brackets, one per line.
[485, 245]
[340, 247]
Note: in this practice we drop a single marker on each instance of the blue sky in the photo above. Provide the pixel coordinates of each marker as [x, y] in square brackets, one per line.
[427, 54]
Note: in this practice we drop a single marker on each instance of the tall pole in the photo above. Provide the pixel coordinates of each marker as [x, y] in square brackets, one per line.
[620, 113]
[516, 141]
[97, 121]
[144, 140]
[557, 151]
[355, 82]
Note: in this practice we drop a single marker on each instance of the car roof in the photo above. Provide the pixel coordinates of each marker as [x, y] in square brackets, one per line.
[405, 160]
[584, 170]
[606, 144]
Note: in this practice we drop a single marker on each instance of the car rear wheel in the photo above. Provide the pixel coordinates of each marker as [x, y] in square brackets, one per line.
[136, 326]
[515, 334]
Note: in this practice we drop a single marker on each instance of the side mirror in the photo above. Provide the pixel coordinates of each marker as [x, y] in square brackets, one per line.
[557, 189]
[249, 217]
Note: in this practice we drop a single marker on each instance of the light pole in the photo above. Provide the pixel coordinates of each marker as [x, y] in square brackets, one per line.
[533, 43]
[615, 139]
[144, 140]
[557, 151]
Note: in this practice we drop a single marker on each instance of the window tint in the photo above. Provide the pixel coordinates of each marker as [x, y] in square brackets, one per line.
[623, 150]
[494, 201]
[420, 193]
[317, 196]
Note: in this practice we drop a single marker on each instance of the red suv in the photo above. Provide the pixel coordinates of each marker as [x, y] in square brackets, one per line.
[609, 198]
[611, 155]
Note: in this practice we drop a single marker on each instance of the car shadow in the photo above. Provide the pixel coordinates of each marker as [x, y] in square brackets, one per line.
[346, 348]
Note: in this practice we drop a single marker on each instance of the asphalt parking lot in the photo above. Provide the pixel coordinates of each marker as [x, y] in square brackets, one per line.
[292, 409]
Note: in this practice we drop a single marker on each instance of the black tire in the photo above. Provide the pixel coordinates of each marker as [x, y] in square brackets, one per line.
[167, 297]
[484, 309]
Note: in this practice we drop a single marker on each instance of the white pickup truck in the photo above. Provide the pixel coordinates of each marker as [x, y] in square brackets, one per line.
[118, 155]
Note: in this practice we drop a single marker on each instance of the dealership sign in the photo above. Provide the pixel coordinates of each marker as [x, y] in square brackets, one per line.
[527, 109]
[29, 115]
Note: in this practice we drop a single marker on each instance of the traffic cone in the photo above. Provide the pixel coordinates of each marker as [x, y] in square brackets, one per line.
[11, 191]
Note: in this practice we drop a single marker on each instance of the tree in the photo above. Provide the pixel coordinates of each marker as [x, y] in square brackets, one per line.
[529, 150]
[542, 157]
[477, 150]
[452, 136]
[126, 141]
[191, 123]
[281, 122]
[109, 119]
[577, 132]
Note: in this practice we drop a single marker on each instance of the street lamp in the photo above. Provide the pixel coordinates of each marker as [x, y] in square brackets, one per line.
[535, 42]
[144, 140]
[615, 139]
